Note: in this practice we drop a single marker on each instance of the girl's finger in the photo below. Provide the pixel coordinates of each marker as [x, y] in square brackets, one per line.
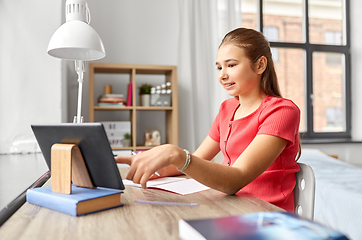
[130, 173]
[124, 159]
[145, 177]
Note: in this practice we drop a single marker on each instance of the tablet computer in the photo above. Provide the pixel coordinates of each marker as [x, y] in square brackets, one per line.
[93, 143]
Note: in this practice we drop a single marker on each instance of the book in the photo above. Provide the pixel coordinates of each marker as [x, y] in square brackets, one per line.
[129, 94]
[111, 100]
[259, 226]
[80, 202]
[113, 95]
[179, 185]
[110, 104]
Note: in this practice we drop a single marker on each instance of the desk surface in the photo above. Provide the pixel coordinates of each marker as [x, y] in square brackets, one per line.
[133, 220]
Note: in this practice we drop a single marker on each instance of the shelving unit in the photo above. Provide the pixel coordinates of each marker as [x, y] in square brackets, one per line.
[135, 73]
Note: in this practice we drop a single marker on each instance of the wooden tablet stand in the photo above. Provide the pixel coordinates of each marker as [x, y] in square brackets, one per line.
[67, 166]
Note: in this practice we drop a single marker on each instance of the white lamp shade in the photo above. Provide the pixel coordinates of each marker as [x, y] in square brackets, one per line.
[76, 40]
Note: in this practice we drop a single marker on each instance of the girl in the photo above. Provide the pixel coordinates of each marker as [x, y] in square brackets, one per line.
[257, 131]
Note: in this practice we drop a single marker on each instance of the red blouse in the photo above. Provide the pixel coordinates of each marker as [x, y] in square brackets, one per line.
[275, 116]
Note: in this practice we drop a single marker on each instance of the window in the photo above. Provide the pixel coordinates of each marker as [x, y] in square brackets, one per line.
[309, 40]
[272, 34]
[333, 38]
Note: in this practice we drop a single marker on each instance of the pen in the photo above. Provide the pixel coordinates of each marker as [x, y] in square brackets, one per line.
[168, 203]
[134, 153]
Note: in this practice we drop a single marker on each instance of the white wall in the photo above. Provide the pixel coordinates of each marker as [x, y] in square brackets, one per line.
[30, 80]
[34, 86]
[356, 62]
[137, 31]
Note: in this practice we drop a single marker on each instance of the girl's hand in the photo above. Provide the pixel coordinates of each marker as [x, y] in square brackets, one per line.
[145, 164]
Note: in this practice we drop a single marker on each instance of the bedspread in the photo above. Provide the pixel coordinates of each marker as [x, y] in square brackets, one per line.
[338, 195]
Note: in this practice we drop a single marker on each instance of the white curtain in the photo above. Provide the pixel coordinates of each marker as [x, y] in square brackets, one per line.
[203, 23]
[30, 81]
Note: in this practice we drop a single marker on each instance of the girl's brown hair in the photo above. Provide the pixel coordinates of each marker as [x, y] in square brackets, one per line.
[255, 46]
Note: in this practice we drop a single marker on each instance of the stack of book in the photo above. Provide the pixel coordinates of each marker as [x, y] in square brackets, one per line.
[111, 100]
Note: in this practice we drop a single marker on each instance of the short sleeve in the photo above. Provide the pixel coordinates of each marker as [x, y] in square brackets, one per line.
[214, 132]
[280, 118]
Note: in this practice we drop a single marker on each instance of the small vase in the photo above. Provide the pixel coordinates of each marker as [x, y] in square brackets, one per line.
[126, 142]
[145, 100]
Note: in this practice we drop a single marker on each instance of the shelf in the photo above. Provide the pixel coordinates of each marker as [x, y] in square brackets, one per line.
[164, 119]
[154, 108]
[97, 108]
[111, 108]
[122, 148]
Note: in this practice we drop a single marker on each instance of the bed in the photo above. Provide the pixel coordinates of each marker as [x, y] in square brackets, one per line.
[338, 196]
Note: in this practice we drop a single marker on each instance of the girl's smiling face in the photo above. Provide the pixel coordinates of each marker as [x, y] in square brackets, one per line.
[235, 71]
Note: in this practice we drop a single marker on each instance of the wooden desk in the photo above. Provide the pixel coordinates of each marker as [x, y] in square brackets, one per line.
[133, 220]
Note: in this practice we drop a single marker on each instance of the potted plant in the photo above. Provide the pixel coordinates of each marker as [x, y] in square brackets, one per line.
[145, 93]
[126, 141]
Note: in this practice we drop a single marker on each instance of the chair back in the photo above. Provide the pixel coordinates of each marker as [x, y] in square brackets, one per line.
[304, 191]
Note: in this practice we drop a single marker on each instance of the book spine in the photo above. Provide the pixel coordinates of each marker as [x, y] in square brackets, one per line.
[129, 95]
[51, 202]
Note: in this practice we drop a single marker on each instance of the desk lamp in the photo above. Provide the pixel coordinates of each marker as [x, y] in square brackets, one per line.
[76, 40]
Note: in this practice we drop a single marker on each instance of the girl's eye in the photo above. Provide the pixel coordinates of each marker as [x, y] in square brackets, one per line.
[232, 65]
[218, 68]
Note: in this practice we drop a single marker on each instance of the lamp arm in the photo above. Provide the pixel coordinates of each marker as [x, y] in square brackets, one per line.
[80, 69]
[88, 16]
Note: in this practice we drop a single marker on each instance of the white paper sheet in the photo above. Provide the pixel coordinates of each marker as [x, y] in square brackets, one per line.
[154, 182]
[181, 186]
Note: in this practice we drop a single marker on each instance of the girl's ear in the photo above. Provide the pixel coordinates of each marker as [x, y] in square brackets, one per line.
[261, 64]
